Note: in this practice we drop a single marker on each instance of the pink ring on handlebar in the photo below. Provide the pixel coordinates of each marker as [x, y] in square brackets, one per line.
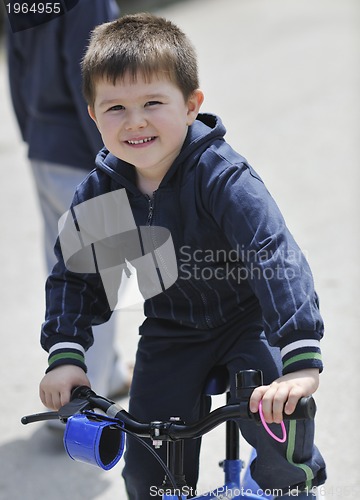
[266, 427]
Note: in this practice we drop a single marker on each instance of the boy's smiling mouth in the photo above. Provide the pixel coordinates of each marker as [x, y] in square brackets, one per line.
[140, 141]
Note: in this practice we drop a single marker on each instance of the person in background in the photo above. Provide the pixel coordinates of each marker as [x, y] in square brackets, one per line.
[45, 86]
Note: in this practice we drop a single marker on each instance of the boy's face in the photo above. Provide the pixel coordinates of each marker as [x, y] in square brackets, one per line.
[144, 122]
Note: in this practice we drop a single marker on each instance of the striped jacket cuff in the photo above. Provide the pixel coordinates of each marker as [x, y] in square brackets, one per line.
[66, 353]
[300, 355]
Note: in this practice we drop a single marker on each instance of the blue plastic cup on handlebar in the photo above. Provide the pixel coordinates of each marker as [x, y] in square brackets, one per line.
[95, 440]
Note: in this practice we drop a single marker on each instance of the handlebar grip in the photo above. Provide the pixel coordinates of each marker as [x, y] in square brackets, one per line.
[305, 408]
[81, 391]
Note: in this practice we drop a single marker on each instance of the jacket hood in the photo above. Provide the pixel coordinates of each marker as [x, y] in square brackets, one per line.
[204, 131]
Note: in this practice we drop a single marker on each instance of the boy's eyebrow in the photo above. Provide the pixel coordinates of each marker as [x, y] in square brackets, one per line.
[107, 102]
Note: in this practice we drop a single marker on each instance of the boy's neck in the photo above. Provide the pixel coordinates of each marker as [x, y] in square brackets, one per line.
[147, 185]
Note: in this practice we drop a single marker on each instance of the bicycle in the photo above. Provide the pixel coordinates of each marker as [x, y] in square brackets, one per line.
[99, 438]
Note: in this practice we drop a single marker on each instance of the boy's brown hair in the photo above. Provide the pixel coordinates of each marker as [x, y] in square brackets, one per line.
[139, 44]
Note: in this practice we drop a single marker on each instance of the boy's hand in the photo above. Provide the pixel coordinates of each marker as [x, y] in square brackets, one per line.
[284, 393]
[55, 387]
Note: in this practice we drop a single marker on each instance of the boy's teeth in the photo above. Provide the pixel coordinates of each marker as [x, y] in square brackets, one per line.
[141, 141]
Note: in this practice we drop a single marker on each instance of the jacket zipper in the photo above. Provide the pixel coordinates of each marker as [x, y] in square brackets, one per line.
[150, 209]
[151, 202]
[202, 295]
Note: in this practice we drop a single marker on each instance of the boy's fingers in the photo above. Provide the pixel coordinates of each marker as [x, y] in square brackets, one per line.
[279, 401]
[50, 400]
[256, 397]
[268, 404]
[64, 398]
[46, 400]
[42, 396]
[273, 400]
[294, 396]
[54, 401]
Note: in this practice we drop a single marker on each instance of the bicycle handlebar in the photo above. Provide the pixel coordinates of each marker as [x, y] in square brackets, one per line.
[84, 400]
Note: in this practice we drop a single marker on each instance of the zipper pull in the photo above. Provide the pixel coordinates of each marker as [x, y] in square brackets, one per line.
[151, 210]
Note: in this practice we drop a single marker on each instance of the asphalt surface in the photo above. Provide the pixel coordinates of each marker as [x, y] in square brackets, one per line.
[284, 76]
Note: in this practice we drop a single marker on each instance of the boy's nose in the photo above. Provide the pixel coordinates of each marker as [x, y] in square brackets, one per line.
[135, 120]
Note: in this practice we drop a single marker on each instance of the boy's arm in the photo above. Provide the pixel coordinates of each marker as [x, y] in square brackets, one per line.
[279, 276]
[66, 335]
[76, 299]
[278, 272]
[74, 303]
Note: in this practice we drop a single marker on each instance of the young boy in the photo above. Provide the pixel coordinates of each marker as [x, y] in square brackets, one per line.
[242, 295]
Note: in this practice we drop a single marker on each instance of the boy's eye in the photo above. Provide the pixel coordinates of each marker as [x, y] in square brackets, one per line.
[152, 103]
[118, 107]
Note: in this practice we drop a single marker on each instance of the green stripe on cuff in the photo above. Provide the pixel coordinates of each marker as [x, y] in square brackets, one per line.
[301, 357]
[66, 355]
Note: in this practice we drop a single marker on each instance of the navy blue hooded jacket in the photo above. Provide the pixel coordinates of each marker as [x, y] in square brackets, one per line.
[45, 85]
[234, 253]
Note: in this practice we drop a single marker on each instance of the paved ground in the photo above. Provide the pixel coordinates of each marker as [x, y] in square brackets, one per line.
[284, 75]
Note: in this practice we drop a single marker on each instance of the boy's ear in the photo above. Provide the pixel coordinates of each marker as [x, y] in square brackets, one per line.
[194, 104]
[92, 113]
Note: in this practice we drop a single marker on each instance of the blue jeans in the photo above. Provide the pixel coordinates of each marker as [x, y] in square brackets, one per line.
[168, 382]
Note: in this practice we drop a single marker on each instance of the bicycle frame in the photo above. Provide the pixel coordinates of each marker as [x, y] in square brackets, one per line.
[233, 488]
[173, 432]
